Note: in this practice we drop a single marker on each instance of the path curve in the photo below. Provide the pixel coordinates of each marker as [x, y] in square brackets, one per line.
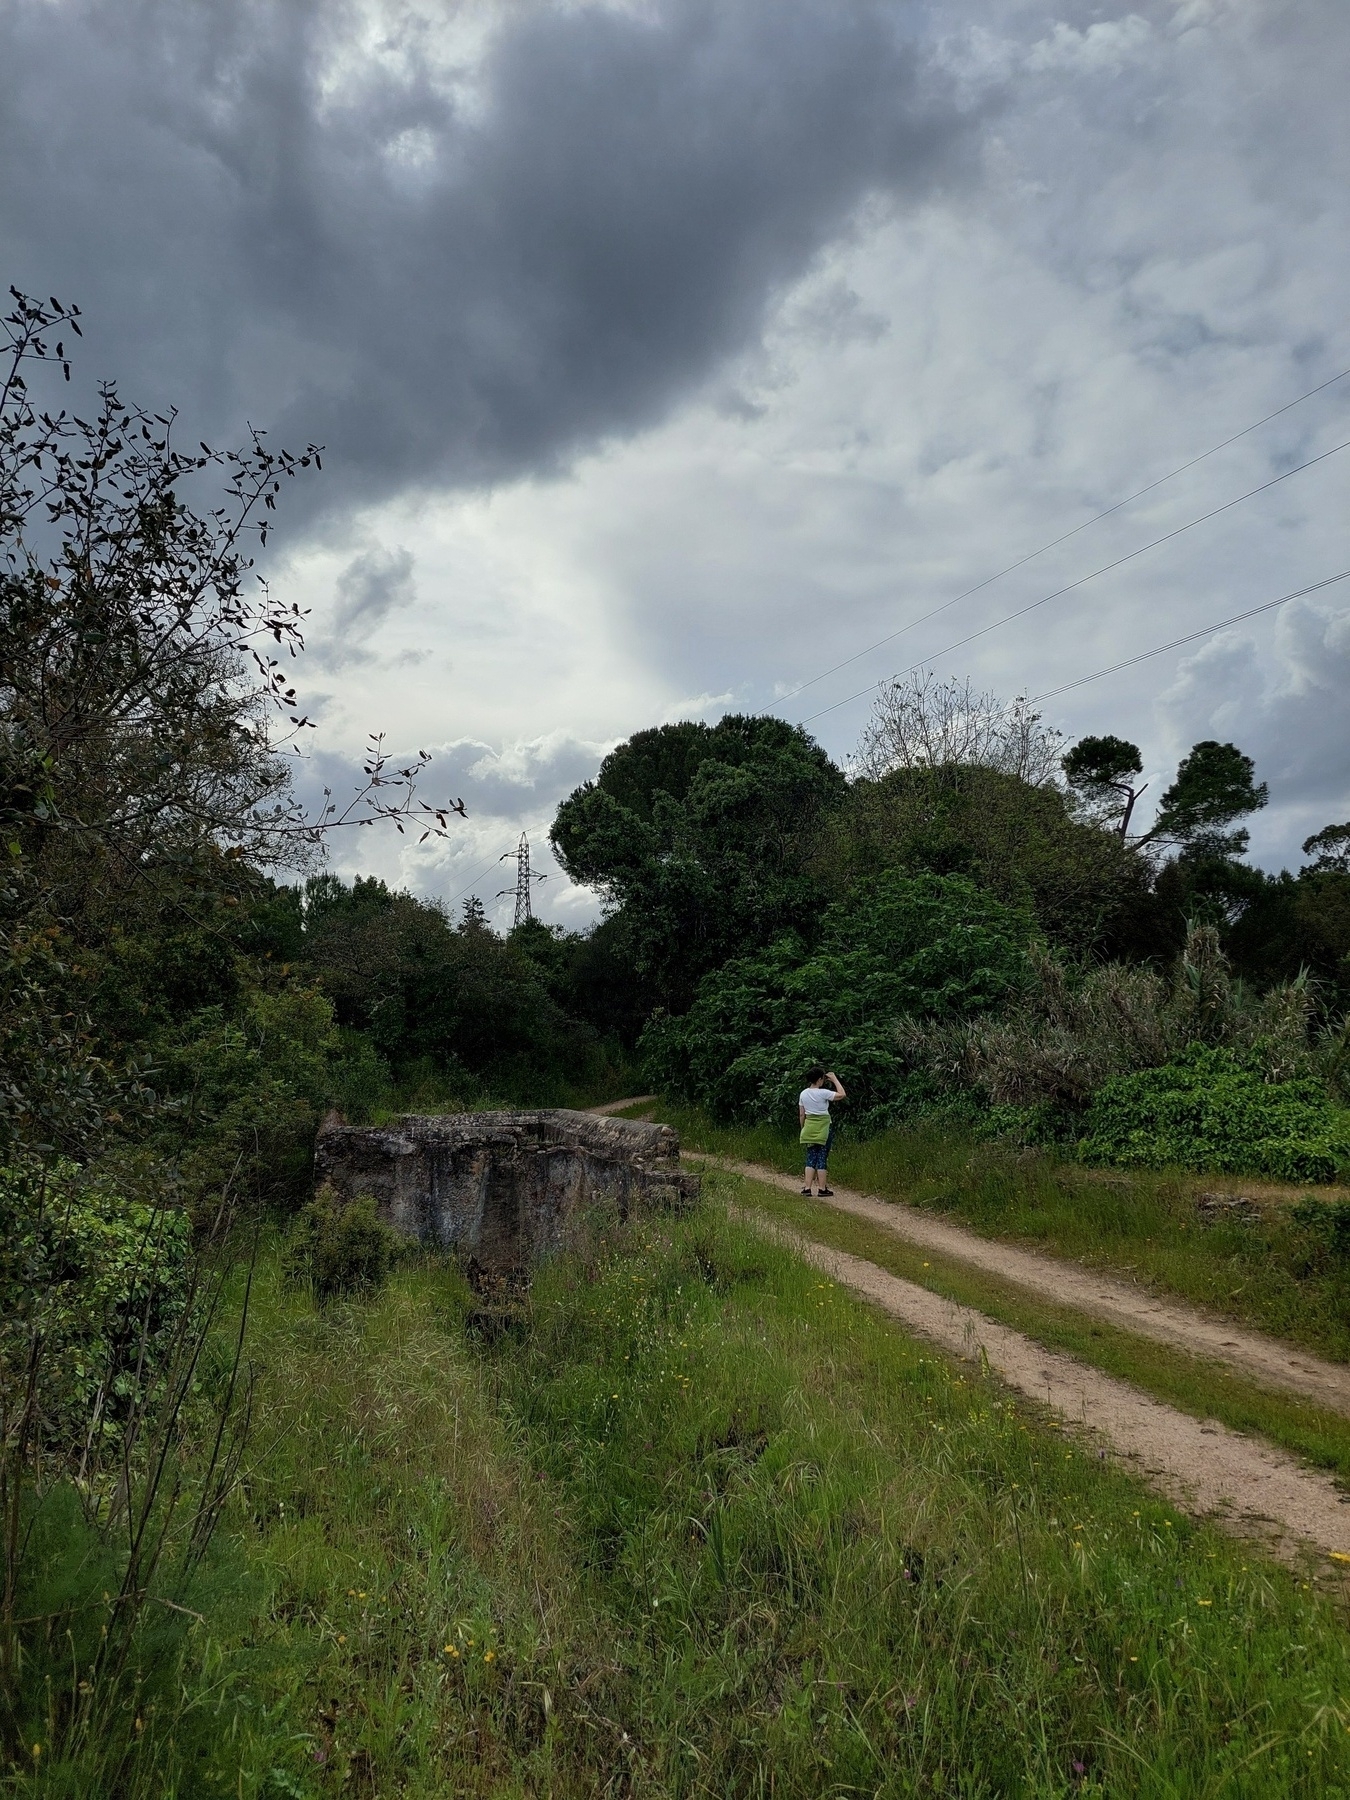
[1199, 1464]
[1265, 1360]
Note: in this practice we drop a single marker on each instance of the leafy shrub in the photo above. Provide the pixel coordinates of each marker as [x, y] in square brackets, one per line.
[340, 1247]
[91, 1289]
[248, 1091]
[1211, 1108]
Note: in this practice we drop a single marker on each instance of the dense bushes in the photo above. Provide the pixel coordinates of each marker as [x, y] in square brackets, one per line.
[92, 1285]
[927, 946]
[1213, 1109]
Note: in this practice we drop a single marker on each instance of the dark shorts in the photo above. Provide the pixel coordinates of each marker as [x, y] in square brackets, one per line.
[817, 1156]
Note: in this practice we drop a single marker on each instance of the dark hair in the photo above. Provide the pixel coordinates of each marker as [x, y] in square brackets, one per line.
[814, 1075]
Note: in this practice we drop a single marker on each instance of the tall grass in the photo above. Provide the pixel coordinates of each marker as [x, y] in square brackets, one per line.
[1262, 1266]
[690, 1521]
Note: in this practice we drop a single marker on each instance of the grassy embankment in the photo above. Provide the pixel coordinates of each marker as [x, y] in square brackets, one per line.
[693, 1522]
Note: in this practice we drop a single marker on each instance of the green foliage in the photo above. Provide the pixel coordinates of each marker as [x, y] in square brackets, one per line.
[429, 996]
[1088, 893]
[1212, 1109]
[1038, 1061]
[99, 1282]
[247, 1089]
[1282, 924]
[927, 946]
[703, 837]
[340, 1247]
[1330, 850]
[1102, 770]
[1215, 785]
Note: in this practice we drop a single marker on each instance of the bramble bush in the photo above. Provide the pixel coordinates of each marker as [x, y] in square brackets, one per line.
[1213, 1109]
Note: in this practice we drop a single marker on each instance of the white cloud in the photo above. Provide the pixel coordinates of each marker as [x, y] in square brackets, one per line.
[1103, 48]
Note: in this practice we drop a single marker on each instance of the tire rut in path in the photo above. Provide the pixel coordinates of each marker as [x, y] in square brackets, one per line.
[1248, 1487]
[1133, 1308]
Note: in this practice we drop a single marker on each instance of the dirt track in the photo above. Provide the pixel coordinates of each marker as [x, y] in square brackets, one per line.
[1198, 1464]
[1116, 1302]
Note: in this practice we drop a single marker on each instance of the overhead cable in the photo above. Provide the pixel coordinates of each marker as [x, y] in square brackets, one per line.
[1191, 636]
[1069, 587]
[1054, 543]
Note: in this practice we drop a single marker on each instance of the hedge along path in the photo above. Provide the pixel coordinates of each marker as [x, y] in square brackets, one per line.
[1201, 1466]
[1120, 1303]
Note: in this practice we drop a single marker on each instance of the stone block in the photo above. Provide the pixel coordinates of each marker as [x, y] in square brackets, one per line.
[501, 1187]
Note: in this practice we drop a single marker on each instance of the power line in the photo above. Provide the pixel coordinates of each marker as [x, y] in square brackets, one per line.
[1056, 542]
[1105, 569]
[1205, 631]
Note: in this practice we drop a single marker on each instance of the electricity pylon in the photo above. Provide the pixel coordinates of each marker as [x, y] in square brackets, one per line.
[524, 881]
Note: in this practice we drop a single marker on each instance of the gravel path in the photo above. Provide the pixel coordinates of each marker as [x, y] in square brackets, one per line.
[1200, 1465]
[1116, 1302]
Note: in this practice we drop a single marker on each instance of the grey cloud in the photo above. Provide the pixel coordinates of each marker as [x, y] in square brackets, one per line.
[373, 585]
[441, 288]
[506, 789]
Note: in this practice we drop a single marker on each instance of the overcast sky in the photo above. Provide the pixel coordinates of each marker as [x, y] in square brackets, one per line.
[669, 353]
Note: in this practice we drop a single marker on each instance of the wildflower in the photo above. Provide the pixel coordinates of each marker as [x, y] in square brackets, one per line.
[342, 1637]
[1204, 1603]
[489, 1656]
[1340, 1556]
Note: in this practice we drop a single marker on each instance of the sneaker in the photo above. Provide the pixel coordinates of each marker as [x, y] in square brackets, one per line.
[825, 1194]
[806, 1190]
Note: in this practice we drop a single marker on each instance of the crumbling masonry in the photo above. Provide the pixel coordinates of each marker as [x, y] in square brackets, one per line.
[501, 1187]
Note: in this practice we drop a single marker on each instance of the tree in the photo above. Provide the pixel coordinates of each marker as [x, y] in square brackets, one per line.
[144, 708]
[701, 838]
[918, 722]
[1100, 771]
[912, 946]
[1023, 843]
[1330, 851]
[1214, 786]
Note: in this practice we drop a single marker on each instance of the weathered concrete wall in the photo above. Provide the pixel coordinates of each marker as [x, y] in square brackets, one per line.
[501, 1186]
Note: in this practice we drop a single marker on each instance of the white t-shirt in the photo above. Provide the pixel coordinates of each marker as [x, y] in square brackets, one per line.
[814, 1100]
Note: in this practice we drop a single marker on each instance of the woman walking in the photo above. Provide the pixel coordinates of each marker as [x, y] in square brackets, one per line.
[813, 1114]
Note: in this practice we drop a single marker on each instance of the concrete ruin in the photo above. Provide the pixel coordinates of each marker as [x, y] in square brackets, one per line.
[501, 1187]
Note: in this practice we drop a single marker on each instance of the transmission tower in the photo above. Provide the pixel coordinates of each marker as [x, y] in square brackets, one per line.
[524, 881]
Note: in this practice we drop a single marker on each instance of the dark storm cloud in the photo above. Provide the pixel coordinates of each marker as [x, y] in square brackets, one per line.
[439, 288]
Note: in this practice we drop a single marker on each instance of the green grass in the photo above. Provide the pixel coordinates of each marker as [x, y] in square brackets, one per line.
[691, 1521]
[1196, 1385]
[1271, 1275]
